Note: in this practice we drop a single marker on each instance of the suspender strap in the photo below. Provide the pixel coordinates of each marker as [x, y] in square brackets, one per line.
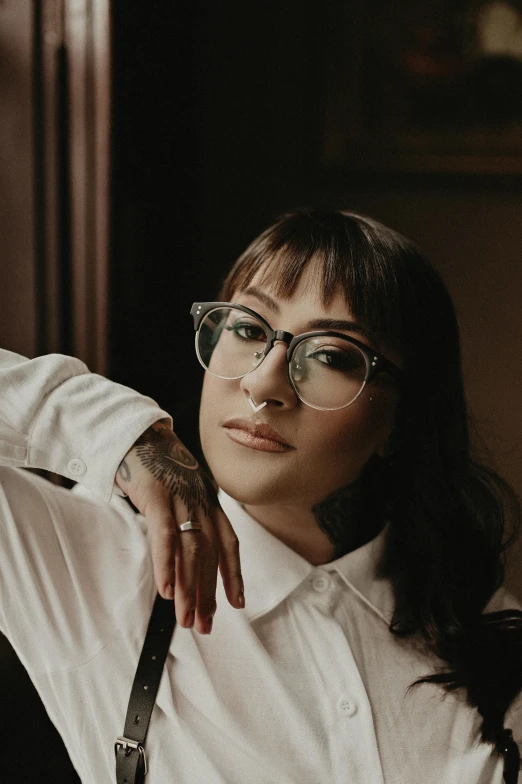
[131, 763]
[511, 758]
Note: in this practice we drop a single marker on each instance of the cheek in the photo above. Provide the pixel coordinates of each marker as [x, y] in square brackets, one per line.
[335, 443]
[214, 407]
[358, 425]
[348, 438]
[209, 404]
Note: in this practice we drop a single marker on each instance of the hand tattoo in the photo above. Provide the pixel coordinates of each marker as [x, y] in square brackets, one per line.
[170, 462]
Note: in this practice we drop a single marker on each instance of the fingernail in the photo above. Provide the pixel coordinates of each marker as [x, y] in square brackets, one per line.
[190, 618]
[169, 591]
[210, 620]
[241, 599]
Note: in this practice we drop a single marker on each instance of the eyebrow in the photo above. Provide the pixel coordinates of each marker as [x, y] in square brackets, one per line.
[315, 324]
[262, 297]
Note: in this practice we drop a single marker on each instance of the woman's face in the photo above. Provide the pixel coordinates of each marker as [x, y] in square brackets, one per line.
[327, 449]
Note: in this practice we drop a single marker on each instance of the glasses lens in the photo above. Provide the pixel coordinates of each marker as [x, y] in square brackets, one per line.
[230, 342]
[328, 372]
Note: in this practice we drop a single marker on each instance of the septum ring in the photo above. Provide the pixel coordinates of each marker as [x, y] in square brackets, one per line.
[190, 526]
[253, 406]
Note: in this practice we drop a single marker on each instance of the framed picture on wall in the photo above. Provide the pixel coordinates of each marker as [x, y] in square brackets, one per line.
[425, 85]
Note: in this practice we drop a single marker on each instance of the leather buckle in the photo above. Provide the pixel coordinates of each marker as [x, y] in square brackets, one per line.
[128, 746]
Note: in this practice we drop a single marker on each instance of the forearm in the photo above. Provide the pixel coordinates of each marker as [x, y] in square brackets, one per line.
[56, 415]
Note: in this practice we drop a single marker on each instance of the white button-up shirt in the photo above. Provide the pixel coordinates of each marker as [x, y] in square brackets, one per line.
[306, 685]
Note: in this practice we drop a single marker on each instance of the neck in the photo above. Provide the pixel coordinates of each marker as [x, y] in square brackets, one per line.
[322, 533]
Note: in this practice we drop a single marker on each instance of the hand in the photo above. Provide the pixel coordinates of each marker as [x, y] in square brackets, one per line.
[167, 485]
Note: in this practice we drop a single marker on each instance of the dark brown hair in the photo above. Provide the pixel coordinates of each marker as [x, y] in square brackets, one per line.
[450, 514]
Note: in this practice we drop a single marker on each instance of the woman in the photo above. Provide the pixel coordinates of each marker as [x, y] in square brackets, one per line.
[371, 542]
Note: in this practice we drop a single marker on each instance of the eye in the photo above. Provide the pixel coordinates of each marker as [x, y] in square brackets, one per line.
[247, 330]
[344, 361]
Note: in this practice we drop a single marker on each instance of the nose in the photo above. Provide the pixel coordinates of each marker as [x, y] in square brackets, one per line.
[270, 380]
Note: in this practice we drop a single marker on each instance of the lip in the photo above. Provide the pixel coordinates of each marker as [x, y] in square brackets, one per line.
[256, 435]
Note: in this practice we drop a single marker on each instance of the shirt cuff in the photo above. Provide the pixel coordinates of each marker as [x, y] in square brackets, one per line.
[86, 428]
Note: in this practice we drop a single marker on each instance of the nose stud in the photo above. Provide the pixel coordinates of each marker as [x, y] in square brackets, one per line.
[254, 407]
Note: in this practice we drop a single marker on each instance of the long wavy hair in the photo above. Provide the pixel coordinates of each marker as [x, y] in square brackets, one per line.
[452, 518]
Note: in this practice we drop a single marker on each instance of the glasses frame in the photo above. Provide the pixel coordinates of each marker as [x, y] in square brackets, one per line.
[375, 362]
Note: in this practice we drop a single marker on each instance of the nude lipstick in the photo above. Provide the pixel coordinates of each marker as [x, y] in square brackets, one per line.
[256, 436]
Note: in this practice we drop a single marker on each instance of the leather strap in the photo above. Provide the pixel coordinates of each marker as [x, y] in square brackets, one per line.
[511, 758]
[131, 764]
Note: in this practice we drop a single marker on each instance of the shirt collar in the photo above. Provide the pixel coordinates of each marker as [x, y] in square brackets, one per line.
[360, 570]
[272, 571]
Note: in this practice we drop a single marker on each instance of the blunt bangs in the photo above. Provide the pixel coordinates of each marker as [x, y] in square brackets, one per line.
[359, 256]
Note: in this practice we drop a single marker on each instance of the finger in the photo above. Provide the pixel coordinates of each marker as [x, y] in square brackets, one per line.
[206, 598]
[164, 539]
[229, 560]
[188, 563]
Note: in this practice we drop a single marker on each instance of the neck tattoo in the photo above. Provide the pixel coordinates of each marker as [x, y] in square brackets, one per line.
[347, 519]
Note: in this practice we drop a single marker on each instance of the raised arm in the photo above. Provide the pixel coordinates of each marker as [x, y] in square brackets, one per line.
[56, 415]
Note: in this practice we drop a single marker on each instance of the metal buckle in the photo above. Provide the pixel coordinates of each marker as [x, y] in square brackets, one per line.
[129, 745]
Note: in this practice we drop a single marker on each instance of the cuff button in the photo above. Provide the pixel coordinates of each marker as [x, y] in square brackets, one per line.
[77, 467]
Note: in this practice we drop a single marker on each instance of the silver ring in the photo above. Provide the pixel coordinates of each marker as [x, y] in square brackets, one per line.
[190, 526]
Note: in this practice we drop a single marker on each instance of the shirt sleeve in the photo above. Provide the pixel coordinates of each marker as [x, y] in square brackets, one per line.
[56, 415]
[503, 599]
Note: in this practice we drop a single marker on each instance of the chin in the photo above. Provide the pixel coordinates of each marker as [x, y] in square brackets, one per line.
[253, 490]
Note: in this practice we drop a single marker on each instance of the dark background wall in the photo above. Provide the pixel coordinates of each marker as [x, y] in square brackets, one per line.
[217, 129]
[218, 125]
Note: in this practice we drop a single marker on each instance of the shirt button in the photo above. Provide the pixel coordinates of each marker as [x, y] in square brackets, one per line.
[77, 467]
[346, 707]
[321, 583]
